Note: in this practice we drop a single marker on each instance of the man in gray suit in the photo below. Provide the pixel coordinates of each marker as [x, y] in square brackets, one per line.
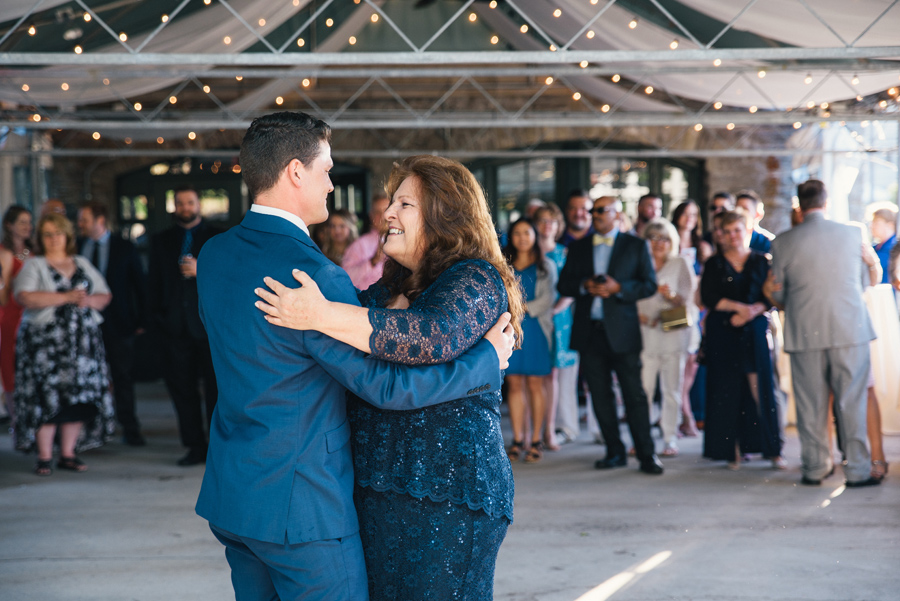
[817, 276]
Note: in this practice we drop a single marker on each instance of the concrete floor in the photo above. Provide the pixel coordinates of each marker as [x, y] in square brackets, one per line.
[126, 529]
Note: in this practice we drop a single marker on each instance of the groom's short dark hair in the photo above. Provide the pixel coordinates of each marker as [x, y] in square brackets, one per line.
[273, 141]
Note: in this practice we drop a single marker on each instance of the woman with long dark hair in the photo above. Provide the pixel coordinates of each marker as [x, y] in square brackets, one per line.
[529, 365]
[15, 249]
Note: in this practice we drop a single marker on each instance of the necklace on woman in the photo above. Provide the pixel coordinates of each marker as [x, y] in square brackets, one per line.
[23, 255]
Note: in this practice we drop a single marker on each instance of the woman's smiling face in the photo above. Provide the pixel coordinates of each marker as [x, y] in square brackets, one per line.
[405, 241]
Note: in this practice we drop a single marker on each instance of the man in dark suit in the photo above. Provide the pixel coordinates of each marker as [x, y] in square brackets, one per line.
[607, 273]
[173, 308]
[124, 317]
[278, 487]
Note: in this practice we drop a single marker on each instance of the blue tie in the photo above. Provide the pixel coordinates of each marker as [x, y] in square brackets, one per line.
[187, 242]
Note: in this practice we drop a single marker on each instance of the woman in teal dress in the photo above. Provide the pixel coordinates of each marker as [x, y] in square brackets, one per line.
[530, 365]
[434, 488]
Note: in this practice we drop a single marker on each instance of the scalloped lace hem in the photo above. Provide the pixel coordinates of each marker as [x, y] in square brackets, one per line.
[491, 505]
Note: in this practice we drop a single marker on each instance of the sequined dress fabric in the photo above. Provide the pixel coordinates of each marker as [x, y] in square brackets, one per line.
[434, 488]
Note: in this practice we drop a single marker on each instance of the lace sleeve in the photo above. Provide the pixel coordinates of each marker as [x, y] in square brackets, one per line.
[450, 316]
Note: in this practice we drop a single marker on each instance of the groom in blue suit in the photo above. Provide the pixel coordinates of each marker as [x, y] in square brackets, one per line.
[278, 487]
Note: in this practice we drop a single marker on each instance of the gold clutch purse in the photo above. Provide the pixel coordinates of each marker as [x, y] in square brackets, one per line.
[675, 318]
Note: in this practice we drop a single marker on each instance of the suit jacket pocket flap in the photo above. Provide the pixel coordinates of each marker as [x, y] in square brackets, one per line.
[338, 437]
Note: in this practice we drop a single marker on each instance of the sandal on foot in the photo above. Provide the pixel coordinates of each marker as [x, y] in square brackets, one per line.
[43, 468]
[879, 470]
[551, 445]
[73, 464]
[515, 450]
[535, 453]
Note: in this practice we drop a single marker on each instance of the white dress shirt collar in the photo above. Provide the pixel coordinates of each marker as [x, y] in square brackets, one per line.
[265, 210]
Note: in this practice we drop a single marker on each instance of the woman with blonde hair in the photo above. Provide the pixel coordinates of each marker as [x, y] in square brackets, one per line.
[342, 232]
[61, 374]
[434, 488]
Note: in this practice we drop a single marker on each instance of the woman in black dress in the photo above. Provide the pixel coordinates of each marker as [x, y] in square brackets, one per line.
[741, 411]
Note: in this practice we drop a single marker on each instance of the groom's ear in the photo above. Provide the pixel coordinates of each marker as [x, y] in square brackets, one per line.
[294, 172]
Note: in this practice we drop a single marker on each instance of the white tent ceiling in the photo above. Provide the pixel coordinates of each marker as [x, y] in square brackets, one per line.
[840, 52]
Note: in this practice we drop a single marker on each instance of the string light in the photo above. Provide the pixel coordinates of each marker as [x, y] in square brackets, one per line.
[192, 135]
[557, 13]
[160, 140]
[717, 106]
[576, 96]
[753, 109]
[523, 28]
[236, 169]
[77, 49]
[301, 42]
[262, 22]
[633, 23]
[329, 22]
[105, 81]
[32, 30]
[374, 18]
[761, 73]
[855, 80]
[552, 47]
[86, 17]
[64, 86]
[590, 34]
[824, 106]
[494, 39]
[615, 78]
[730, 126]
[25, 87]
[165, 18]
[604, 108]
[717, 62]
[810, 104]
[859, 98]
[206, 89]
[472, 17]
[352, 40]
[138, 106]
[173, 99]
[36, 118]
[279, 101]
[674, 44]
[892, 91]
[548, 81]
[808, 79]
[797, 125]
[493, 4]
[96, 135]
[583, 64]
[648, 90]
[698, 127]
[883, 104]
[305, 83]
[128, 140]
[239, 77]
[226, 40]
[123, 36]
[207, 2]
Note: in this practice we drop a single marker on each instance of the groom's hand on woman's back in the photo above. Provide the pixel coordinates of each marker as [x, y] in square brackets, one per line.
[503, 337]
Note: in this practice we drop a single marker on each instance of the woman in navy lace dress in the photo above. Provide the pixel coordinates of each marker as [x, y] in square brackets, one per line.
[434, 488]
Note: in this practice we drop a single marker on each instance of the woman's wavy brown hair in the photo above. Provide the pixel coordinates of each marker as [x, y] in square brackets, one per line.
[456, 226]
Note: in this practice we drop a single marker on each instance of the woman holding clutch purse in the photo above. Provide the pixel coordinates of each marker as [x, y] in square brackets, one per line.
[666, 348]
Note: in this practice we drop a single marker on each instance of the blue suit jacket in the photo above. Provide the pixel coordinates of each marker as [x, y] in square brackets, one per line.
[279, 466]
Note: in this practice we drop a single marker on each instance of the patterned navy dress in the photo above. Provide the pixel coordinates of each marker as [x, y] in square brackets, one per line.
[434, 488]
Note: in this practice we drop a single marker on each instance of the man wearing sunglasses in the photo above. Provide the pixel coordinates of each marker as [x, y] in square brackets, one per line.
[607, 274]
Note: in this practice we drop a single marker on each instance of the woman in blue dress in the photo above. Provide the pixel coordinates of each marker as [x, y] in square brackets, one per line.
[530, 365]
[434, 488]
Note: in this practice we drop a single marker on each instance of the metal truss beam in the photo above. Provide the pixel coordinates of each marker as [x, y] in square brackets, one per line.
[402, 120]
[412, 72]
[540, 57]
[461, 154]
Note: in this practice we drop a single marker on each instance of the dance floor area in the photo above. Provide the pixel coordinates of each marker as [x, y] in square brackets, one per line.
[126, 529]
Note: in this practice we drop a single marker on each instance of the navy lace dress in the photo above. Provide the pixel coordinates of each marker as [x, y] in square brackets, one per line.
[434, 488]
